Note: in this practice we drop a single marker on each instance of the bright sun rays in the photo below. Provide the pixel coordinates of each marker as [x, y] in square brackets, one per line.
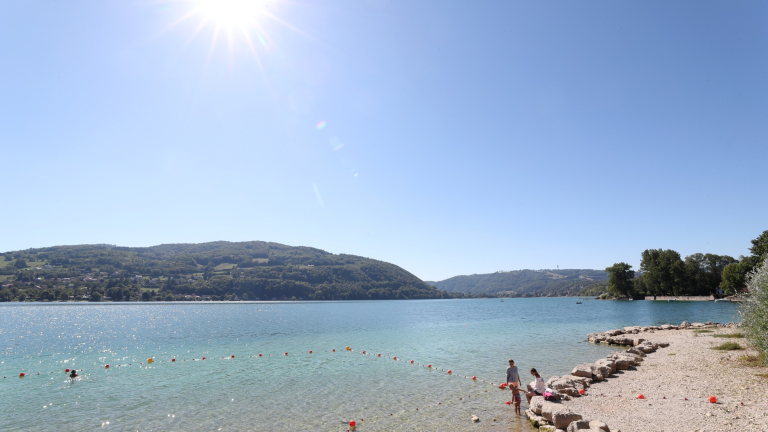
[239, 21]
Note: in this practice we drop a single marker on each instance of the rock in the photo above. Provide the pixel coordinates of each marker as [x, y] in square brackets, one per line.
[563, 417]
[614, 332]
[636, 350]
[549, 408]
[666, 327]
[645, 349]
[698, 325]
[631, 329]
[536, 403]
[578, 424]
[637, 341]
[663, 344]
[583, 370]
[596, 424]
[685, 324]
[475, 418]
[605, 367]
[597, 377]
[534, 419]
[623, 364]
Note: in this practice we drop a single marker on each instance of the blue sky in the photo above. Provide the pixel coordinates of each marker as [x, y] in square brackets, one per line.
[459, 137]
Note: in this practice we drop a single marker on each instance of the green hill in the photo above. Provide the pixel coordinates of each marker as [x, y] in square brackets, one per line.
[529, 283]
[221, 270]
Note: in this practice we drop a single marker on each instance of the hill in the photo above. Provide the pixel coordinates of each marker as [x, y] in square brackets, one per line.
[217, 270]
[529, 283]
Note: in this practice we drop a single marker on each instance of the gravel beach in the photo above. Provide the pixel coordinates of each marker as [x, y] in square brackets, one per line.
[687, 368]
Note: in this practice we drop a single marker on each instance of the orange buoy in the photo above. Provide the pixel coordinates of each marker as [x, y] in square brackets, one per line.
[474, 377]
[349, 349]
[713, 399]
[22, 375]
[641, 397]
[581, 391]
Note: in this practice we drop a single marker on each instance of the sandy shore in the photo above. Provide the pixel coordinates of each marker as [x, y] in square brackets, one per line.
[687, 368]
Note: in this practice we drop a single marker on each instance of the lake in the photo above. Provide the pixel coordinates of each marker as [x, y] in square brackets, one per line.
[299, 391]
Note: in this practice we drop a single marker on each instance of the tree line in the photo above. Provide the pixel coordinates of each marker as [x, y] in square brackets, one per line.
[664, 273]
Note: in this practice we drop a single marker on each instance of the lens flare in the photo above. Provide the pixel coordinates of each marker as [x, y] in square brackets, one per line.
[320, 125]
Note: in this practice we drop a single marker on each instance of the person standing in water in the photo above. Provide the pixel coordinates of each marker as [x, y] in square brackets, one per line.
[513, 377]
[74, 374]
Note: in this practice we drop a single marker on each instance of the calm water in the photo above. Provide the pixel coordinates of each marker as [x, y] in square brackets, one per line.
[301, 391]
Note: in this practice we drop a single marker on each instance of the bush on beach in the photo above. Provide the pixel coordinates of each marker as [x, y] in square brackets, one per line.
[754, 309]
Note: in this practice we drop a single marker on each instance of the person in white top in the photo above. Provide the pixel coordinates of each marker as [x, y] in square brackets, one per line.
[536, 387]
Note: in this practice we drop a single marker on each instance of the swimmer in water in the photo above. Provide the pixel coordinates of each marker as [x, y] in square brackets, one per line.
[74, 374]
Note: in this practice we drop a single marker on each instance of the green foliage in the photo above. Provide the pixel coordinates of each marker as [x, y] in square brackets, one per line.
[663, 272]
[754, 309]
[704, 273]
[20, 264]
[728, 346]
[525, 283]
[759, 247]
[729, 335]
[621, 280]
[594, 290]
[231, 270]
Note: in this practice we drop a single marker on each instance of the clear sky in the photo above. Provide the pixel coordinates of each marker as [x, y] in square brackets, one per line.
[446, 137]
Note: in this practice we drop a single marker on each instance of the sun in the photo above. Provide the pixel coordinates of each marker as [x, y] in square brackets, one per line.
[231, 13]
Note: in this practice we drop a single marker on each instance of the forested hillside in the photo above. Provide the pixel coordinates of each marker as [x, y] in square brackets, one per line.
[216, 270]
[529, 283]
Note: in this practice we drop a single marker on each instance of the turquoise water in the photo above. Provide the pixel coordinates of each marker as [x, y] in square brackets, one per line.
[301, 391]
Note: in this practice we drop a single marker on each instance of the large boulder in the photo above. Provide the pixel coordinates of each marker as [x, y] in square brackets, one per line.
[578, 425]
[537, 402]
[598, 425]
[548, 410]
[636, 350]
[583, 370]
[684, 324]
[623, 364]
[614, 332]
[605, 366]
[536, 420]
[666, 327]
[564, 417]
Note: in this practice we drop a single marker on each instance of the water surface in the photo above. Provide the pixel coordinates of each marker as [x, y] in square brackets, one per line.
[300, 391]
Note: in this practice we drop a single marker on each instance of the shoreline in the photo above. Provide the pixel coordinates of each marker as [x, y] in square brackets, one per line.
[674, 369]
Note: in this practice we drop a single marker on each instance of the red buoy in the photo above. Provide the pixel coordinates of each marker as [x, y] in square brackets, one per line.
[581, 391]
[203, 358]
[411, 361]
[233, 356]
[334, 350]
[286, 353]
[173, 360]
[379, 355]
[713, 399]
[352, 423]
[429, 366]
[641, 396]
[22, 375]
[449, 371]
[508, 402]
[259, 355]
[395, 358]
[474, 377]
[66, 370]
[106, 367]
[310, 351]
[363, 351]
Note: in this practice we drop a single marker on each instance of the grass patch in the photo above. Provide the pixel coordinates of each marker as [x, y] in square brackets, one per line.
[729, 335]
[765, 375]
[673, 354]
[224, 266]
[753, 360]
[703, 331]
[728, 346]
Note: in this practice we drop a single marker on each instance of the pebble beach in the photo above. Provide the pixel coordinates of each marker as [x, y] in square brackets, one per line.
[677, 380]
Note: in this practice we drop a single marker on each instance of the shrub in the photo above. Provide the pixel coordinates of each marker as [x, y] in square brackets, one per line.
[729, 335]
[754, 309]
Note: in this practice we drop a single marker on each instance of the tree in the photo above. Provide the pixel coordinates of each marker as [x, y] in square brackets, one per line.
[759, 247]
[664, 271]
[20, 263]
[146, 295]
[620, 280]
[754, 309]
[733, 278]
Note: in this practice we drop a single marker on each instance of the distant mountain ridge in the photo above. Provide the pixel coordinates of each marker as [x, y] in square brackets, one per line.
[217, 270]
[529, 283]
